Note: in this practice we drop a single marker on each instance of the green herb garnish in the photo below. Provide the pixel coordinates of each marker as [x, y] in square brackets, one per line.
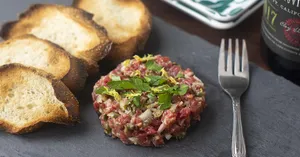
[111, 92]
[120, 85]
[151, 65]
[180, 136]
[164, 100]
[155, 80]
[176, 90]
[161, 89]
[101, 90]
[133, 83]
[152, 97]
[183, 89]
[139, 84]
[137, 101]
[180, 75]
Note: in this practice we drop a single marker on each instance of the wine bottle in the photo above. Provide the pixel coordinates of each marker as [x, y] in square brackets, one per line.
[280, 40]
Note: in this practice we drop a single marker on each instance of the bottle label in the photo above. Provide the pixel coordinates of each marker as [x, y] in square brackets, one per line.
[281, 27]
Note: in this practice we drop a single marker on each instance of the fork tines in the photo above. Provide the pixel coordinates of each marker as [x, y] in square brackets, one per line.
[227, 64]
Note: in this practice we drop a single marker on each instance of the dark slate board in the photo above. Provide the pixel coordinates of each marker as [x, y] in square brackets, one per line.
[270, 110]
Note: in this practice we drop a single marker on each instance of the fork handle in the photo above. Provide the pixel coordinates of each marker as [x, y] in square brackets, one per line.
[238, 147]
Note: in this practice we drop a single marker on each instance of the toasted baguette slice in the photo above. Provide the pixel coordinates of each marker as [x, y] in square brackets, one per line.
[30, 97]
[72, 29]
[41, 54]
[128, 23]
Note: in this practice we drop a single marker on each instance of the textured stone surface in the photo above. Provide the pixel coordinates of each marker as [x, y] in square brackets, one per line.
[270, 110]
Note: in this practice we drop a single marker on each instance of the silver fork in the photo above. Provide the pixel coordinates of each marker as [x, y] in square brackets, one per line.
[234, 80]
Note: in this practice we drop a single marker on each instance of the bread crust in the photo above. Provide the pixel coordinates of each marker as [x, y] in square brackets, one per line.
[62, 93]
[72, 71]
[56, 55]
[76, 78]
[125, 49]
[25, 24]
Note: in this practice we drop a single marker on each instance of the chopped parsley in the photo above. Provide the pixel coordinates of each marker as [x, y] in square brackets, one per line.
[121, 85]
[155, 80]
[183, 89]
[140, 84]
[151, 65]
[161, 87]
[132, 83]
[111, 92]
[137, 101]
[180, 75]
[180, 136]
[164, 100]
[176, 90]
[151, 97]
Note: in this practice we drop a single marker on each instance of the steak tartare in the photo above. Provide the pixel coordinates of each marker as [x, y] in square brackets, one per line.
[147, 100]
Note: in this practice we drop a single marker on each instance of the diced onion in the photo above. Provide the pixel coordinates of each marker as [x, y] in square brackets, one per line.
[101, 98]
[188, 74]
[157, 113]
[123, 104]
[133, 140]
[168, 136]
[152, 105]
[173, 107]
[146, 116]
